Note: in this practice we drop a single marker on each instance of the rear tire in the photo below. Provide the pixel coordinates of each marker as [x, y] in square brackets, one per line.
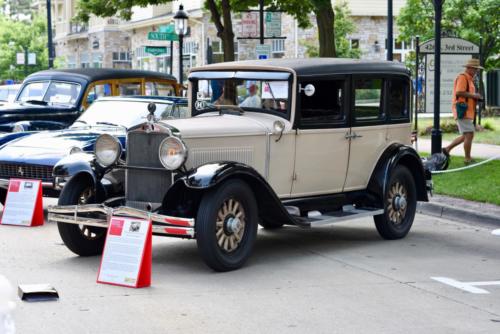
[81, 239]
[226, 225]
[3, 196]
[400, 203]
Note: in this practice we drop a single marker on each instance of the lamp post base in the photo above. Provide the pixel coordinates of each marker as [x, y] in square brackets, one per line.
[436, 141]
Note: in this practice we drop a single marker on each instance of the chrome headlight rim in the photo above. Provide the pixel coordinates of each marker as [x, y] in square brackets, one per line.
[117, 146]
[184, 153]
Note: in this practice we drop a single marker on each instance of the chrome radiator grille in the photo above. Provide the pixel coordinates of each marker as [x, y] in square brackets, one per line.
[37, 172]
[145, 185]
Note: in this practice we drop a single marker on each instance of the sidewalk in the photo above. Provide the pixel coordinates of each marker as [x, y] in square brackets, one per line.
[458, 208]
[483, 151]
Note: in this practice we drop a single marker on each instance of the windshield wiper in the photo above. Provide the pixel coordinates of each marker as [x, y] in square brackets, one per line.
[39, 102]
[110, 124]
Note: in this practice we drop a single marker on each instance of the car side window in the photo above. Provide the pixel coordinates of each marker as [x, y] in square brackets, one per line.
[368, 100]
[159, 89]
[129, 88]
[326, 106]
[98, 91]
[398, 99]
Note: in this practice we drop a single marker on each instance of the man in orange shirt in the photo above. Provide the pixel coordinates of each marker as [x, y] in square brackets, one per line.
[465, 91]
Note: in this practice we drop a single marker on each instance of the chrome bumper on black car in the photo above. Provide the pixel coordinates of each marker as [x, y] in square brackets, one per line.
[99, 215]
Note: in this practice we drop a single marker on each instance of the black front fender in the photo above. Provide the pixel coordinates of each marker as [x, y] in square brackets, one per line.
[75, 164]
[394, 155]
[207, 176]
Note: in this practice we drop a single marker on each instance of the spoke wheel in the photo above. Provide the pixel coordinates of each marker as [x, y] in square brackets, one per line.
[230, 227]
[400, 203]
[81, 239]
[226, 225]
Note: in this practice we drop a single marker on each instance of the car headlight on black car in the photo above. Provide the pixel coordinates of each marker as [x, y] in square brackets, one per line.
[107, 150]
[173, 153]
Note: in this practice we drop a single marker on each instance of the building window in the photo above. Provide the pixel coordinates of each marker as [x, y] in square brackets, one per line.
[71, 61]
[97, 60]
[122, 59]
[218, 52]
[84, 60]
[354, 43]
[278, 48]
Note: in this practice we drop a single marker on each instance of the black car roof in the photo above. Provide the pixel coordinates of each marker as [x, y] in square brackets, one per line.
[317, 66]
[95, 74]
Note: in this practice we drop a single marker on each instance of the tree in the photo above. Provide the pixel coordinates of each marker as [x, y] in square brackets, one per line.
[468, 19]
[16, 36]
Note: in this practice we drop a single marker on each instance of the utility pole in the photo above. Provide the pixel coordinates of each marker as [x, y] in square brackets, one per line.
[389, 30]
[50, 46]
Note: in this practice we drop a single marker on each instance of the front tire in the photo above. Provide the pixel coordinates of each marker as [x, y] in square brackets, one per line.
[226, 225]
[81, 239]
[400, 203]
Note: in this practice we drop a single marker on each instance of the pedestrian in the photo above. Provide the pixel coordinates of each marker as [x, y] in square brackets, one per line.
[464, 108]
[253, 100]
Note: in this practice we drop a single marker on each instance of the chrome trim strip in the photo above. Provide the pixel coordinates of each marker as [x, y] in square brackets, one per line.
[120, 211]
[268, 155]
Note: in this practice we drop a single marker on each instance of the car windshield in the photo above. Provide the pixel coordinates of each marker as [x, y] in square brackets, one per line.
[245, 91]
[50, 92]
[123, 113]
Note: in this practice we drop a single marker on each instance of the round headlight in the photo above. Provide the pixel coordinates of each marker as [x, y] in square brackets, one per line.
[107, 150]
[173, 153]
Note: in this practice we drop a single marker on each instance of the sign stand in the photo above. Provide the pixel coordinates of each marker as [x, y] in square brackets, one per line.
[23, 204]
[126, 260]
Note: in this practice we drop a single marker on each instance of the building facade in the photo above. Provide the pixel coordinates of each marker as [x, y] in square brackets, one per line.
[110, 42]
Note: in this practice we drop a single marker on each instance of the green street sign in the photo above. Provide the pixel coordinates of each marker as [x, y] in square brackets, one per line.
[156, 50]
[162, 36]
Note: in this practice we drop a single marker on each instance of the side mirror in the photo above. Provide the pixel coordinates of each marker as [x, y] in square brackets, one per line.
[278, 128]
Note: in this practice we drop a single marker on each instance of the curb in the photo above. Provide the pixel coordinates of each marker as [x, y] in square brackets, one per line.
[451, 212]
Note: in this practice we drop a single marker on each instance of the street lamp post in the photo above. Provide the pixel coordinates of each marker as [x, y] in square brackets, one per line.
[50, 46]
[181, 29]
[436, 137]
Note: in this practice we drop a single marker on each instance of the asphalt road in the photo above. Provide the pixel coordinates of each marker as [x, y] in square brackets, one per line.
[337, 279]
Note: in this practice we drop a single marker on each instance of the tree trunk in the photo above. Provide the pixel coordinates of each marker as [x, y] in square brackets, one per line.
[325, 18]
[228, 35]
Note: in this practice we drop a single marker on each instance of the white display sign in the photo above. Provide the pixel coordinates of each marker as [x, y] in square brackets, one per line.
[32, 59]
[23, 205]
[263, 51]
[20, 58]
[125, 257]
[451, 66]
[278, 89]
[249, 24]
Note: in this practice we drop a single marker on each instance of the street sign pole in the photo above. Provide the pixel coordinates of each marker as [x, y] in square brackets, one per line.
[436, 136]
[389, 30]
[261, 19]
[417, 81]
[50, 45]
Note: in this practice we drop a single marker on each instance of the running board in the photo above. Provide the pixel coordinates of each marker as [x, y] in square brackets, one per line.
[348, 212]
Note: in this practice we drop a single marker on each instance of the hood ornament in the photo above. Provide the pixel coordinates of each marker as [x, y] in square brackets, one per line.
[151, 117]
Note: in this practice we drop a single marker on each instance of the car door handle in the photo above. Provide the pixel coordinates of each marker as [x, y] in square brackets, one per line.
[352, 136]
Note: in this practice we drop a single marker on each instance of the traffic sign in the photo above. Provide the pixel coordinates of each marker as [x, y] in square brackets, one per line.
[249, 24]
[273, 24]
[263, 51]
[156, 50]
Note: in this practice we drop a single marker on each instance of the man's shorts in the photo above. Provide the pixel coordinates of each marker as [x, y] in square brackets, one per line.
[465, 125]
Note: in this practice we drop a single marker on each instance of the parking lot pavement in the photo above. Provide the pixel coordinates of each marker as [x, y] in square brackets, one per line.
[337, 279]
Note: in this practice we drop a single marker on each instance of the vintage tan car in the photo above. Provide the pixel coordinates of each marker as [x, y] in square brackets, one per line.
[303, 142]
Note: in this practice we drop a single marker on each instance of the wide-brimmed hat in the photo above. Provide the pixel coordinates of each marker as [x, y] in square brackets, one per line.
[474, 63]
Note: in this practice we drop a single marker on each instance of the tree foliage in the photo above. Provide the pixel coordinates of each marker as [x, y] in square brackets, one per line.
[15, 36]
[468, 19]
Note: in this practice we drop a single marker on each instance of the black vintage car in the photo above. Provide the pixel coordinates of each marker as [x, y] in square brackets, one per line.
[54, 99]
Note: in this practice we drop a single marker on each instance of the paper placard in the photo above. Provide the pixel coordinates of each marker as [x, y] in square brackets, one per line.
[126, 260]
[23, 205]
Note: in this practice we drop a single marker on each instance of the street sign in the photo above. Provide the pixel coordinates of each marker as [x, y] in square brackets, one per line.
[32, 59]
[156, 50]
[249, 24]
[263, 51]
[273, 24]
[162, 36]
[20, 58]
[450, 45]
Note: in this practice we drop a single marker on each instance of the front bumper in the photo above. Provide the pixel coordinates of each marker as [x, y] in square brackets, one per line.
[99, 215]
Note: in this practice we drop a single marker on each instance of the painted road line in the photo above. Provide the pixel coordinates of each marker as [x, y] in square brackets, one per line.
[496, 232]
[466, 286]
